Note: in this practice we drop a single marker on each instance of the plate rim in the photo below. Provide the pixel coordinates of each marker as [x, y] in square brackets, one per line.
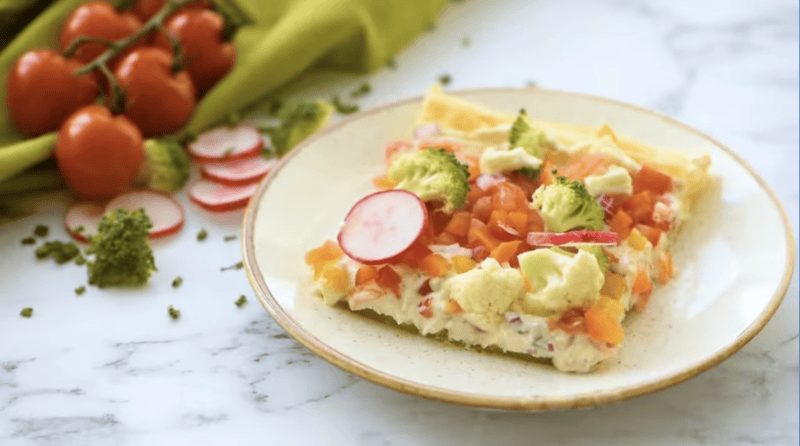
[528, 403]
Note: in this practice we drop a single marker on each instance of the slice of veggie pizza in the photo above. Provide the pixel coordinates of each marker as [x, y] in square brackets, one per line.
[508, 233]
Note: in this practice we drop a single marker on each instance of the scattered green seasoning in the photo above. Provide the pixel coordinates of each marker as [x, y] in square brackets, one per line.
[430, 27]
[80, 260]
[342, 108]
[59, 251]
[26, 312]
[80, 290]
[78, 230]
[445, 79]
[530, 84]
[361, 91]
[241, 301]
[178, 281]
[202, 235]
[239, 265]
[41, 231]
[391, 64]
[173, 312]
[28, 241]
[465, 42]
[229, 238]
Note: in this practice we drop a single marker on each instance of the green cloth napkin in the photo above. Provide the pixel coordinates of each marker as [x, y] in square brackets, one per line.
[282, 39]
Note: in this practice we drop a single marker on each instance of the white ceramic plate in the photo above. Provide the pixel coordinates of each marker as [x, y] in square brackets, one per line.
[733, 262]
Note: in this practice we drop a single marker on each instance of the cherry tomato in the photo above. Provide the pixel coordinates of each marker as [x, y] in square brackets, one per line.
[200, 35]
[157, 100]
[144, 9]
[42, 91]
[98, 154]
[97, 19]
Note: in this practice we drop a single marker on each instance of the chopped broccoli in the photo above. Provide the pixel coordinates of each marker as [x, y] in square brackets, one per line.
[566, 205]
[445, 79]
[29, 241]
[173, 312]
[202, 235]
[26, 312]
[238, 265]
[59, 251]
[166, 165]
[241, 301]
[178, 281]
[123, 256]
[41, 231]
[524, 135]
[432, 174]
[229, 238]
[80, 290]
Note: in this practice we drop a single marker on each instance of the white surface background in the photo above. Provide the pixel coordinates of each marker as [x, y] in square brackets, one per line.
[111, 367]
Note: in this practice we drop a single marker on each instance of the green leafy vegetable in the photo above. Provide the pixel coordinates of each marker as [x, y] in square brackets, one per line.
[123, 256]
[432, 174]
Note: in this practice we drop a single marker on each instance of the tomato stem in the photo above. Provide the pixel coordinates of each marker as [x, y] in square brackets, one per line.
[114, 48]
[78, 41]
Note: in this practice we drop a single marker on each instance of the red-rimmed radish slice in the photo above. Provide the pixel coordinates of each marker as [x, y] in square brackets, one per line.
[217, 197]
[572, 238]
[165, 213]
[82, 219]
[382, 225]
[226, 144]
[237, 173]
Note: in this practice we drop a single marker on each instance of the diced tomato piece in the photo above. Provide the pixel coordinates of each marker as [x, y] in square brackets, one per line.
[480, 253]
[649, 178]
[535, 222]
[329, 250]
[445, 238]
[622, 224]
[641, 282]
[508, 196]
[640, 206]
[588, 164]
[383, 182]
[652, 234]
[475, 193]
[602, 326]
[571, 321]
[610, 204]
[500, 226]
[437, 219]
[482, 209]
[425, 307]
[473, 165]
[664, 268]
[479, 235]
[425, 288]
[435, 265]
[505, 251]
[519, 221]
[413, 256]
[366, 274]
[642, 300]
[459, 223]
[528, 185]
[389, 279]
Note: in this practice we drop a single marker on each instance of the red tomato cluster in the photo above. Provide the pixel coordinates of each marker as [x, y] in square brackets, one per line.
[100, 154]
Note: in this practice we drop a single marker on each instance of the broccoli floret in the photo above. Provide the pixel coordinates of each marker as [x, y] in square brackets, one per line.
[524, 135]
[166, 165]
[566, 205]
[123, 256]
[432, 174]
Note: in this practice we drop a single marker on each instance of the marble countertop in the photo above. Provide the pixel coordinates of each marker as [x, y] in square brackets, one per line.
[111, 367]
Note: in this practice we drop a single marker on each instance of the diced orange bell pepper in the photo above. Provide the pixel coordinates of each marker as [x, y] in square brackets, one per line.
[519, 221]
[482, 209]
[588, 164]
[505, 251]
[509, 197]
[479, 235]
[621, 223]
[366, 274]
[664, 268]
[383, 182]
[462, 264]
[649, 178]
[389, 279]
[640, 206]
[614, 285]
[459, 223]
[435, 265]
[335, 277]
[329, 250]
[602, 326]
[652, 234]
[641, 282]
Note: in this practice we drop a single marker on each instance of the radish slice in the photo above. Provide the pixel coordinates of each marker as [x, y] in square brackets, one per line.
[572, 238]
[237, 173]
[429, 130]
[226, 144]
[165, 213]
[382, 225]
[217, 197]
[82, 219]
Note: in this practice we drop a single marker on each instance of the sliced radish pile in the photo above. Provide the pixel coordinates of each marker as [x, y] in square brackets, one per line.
[572, 238]
[165, 213]
[82, 219]
[219, 197]
[382, 225]
[226, 144]
[237, 173]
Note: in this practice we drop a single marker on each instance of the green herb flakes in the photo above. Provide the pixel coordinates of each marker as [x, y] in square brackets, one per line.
[173, 312]
[342, 108]
[28, 241]
[445, 79]
[80, 260]
[80, 290]
[79, 229]
[41, 231]
[60, 252]
[391, 64]
[239, 265]
[202, 235]
[361, 91]
[178, 281]
[26, 312]
[229, 238]
[241, 301]
[465, 41]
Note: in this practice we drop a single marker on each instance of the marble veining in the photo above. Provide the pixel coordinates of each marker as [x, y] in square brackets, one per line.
[111, 367]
